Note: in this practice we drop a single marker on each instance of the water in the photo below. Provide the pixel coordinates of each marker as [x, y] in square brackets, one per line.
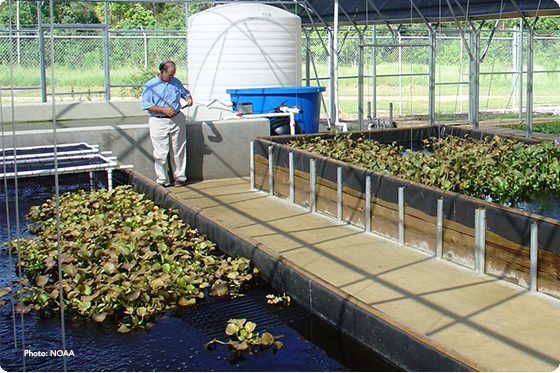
[176, 342]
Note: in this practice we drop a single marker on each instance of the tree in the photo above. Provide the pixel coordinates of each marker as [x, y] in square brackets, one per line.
[126, 15]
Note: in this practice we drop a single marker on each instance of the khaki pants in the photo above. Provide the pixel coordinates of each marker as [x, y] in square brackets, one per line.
[169, 137]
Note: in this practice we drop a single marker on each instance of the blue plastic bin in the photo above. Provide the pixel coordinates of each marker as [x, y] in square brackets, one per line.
[264, 100]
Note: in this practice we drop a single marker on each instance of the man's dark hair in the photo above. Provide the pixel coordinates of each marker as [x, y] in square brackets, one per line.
[165, 65]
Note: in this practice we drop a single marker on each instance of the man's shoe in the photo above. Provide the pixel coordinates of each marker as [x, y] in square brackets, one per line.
[165, 184]
[180, 183]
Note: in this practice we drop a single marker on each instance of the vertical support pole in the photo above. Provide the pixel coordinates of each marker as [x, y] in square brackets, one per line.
[361, 81]
[474, 77]
[529, 109]
[520, 69]
[110, 179]
[534, 256]
[91, 183]
[479, 240]
[374, 73]
[106, 67]
[390, 112]
[291, 170]
[432, 79]
[439, 229]
[270, 170]
[307, 59]
[312, 185]
[42, 62]
[368, 204]
[187, 42]
[401, 215]
[339, 194]
[334, 67]
[252, 164]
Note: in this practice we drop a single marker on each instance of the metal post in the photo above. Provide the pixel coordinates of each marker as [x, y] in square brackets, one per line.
[307, 59]
[252, 164]
[432, 79]
[291, 170]
[339, 194]
[145, 40]
[334, 67]
[270, 171]
[390, 112]
[479, 240]
[368, 204]
[400, 71]
[374, 73]
[401, 215]
[439, 229]
[109, 179]
[520, 69]
[534, 258]
[529, 109]
[42, 54]
[106, 67]
[187, 41]
[361, 81]
[312, 185]
[474, 77]
[91, 183]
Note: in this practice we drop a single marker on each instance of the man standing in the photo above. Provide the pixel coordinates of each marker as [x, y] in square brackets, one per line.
[168, 131]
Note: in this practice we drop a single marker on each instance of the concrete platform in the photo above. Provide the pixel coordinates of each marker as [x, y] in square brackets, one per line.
[485, 323]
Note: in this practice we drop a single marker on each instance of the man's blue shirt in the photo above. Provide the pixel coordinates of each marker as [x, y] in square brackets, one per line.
[166, 94]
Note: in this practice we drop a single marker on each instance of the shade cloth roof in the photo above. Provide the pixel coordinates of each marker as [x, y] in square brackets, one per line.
[416, 11]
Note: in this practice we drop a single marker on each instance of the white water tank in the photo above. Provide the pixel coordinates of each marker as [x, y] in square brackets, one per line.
[242, 45]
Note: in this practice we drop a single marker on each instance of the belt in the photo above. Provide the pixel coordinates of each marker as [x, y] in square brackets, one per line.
[161, 116]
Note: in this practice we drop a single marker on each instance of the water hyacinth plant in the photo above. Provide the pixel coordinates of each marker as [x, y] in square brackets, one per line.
[496, 168]
[122, 256]
[243, 338]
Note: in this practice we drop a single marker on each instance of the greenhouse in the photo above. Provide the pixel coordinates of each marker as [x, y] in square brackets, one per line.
[356, 198]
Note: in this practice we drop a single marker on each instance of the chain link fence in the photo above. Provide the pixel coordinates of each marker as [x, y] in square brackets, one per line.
[400, 75]
[77, 61]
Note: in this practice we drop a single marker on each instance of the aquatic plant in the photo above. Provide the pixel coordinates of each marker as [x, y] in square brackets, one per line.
[276, 299]
[552, 127]
[122, 256]
[244, 339]
[3, 292]
[496, 168]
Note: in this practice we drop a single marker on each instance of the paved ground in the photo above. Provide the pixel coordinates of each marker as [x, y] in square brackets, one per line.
[494, 325]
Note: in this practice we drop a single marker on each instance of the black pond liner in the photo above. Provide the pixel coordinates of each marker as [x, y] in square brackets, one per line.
[176, 342]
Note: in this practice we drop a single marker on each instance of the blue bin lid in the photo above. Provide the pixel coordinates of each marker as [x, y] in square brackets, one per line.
[275, 90]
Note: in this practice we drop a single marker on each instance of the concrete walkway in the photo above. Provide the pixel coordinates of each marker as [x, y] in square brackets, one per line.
[488, 323]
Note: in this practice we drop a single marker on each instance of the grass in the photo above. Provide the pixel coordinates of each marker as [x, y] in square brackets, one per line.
[409, 94]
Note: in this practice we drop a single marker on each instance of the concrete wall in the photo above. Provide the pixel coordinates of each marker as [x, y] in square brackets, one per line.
[216, 149]
[41, 112]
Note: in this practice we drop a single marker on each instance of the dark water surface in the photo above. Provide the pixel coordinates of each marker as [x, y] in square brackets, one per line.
[176, 342]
